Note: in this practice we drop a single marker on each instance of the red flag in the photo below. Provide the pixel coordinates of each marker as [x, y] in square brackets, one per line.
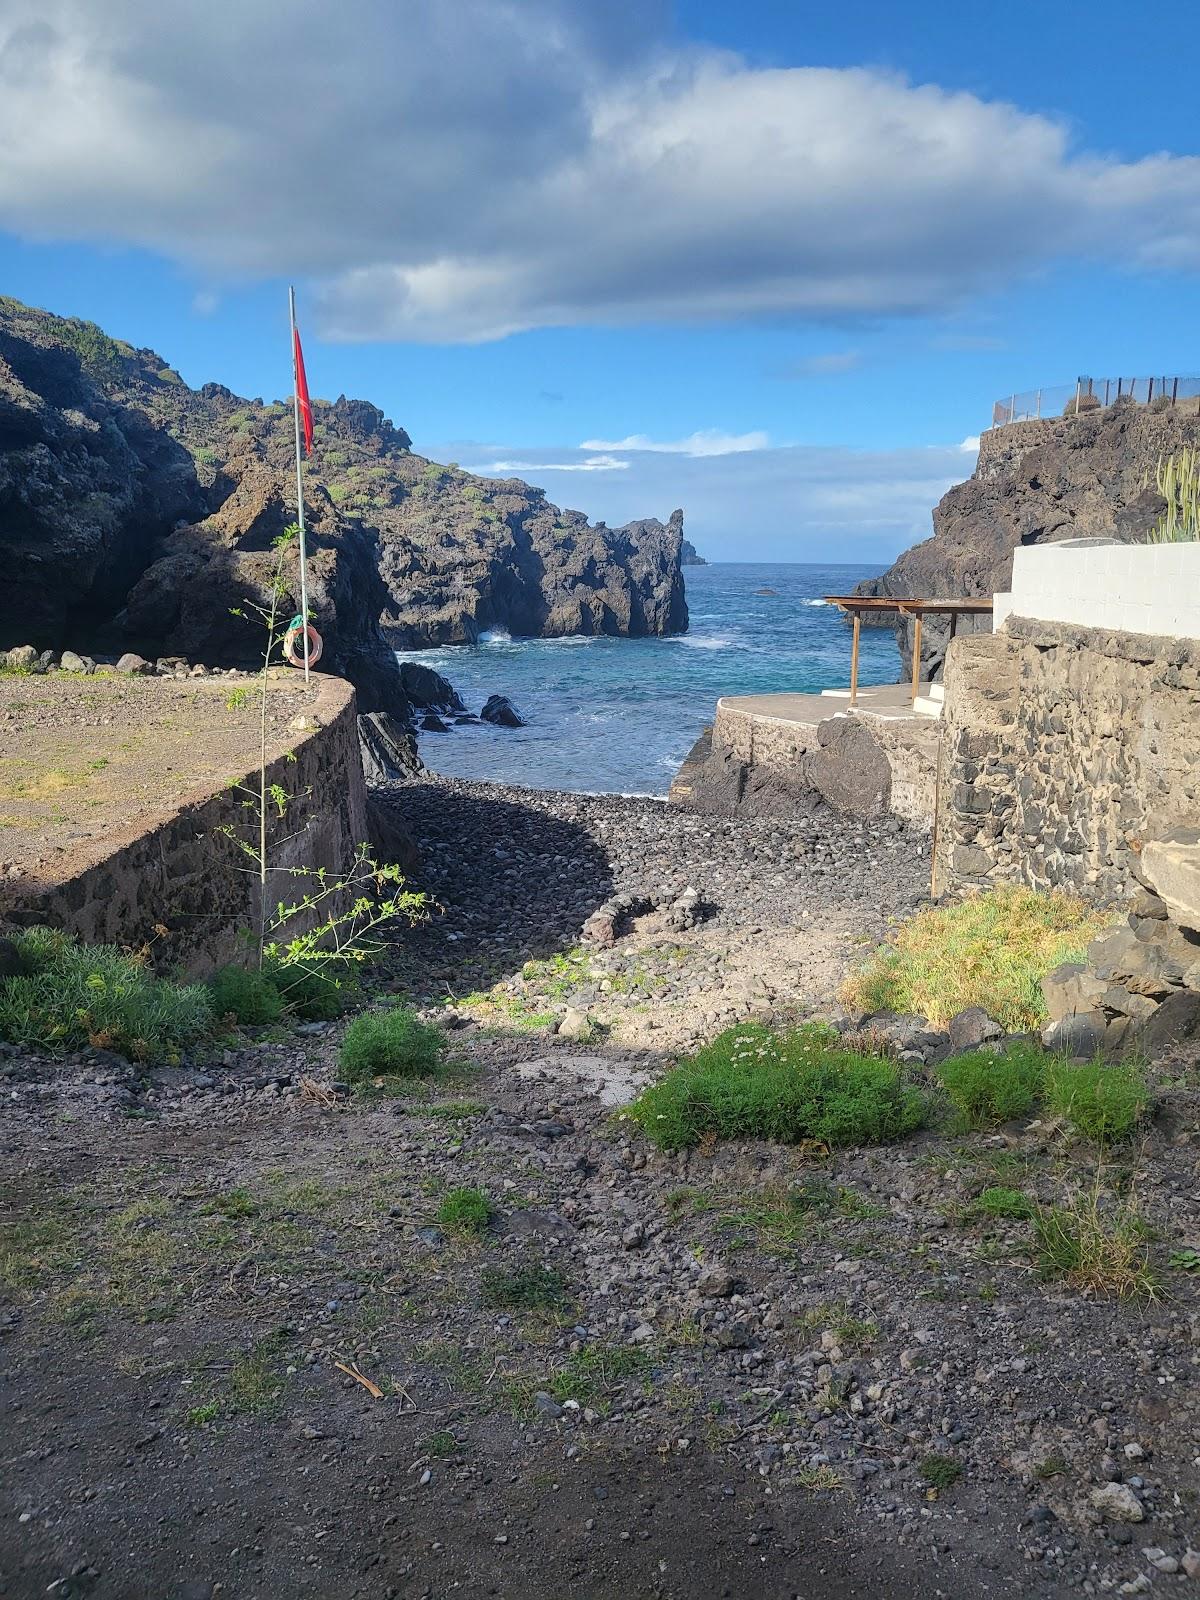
[302, 392]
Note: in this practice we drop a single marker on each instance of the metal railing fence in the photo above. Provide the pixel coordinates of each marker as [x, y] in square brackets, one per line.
[1091, 394]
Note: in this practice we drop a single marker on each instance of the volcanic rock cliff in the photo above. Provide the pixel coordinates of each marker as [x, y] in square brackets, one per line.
[1036, 482]
[136, 512]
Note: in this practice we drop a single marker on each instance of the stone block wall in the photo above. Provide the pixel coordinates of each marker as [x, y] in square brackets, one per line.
[1065, 750]
[180, 886]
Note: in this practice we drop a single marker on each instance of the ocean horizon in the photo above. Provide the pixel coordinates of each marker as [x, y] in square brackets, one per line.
[619, 716]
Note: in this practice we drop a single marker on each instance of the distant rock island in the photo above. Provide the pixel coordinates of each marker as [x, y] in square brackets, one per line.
[690, 557]
[137, 513]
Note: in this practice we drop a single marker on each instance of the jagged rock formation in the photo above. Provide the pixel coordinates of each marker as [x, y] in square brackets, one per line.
[690, 556]
[1036, 482]
[495, 553]
[137, 513]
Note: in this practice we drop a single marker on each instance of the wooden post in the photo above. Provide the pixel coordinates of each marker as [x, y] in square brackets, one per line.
[854, 657]
[916, 672]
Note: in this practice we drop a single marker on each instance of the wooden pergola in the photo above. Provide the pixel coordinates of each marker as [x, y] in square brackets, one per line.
[855, 605]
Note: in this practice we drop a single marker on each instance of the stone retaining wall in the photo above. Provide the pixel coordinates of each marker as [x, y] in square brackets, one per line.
[1065, 749]
[180, 886]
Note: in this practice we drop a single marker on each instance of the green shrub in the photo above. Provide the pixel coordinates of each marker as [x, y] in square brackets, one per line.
[245, 994]
[391, 1043]
[318, 991]
[465, 1210]
[988, 1089]
[754, 1084]
[939, 1471]
[992, 950]
[1102, 1102]
[72, 995]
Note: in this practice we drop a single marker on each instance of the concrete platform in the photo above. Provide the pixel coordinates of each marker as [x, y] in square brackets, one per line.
[884, 746]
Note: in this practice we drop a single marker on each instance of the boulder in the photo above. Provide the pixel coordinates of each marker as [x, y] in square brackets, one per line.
[500, 710]
[22, 656]
[432, 723]
[428, 690]
[575, 1025]
[848, 769]
[70, 662]
[972, 1028]
[1171, 866]
[389, 750]
[1175, 1022]
[134, 666]
[1070, 989]
[1078, 1033]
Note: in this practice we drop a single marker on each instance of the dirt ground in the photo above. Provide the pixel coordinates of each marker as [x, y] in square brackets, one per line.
[244, 1354]
[82, 758]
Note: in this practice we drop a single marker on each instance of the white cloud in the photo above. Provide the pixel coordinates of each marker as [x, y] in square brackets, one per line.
[205, 302]
[705, 442]
[495, 469]
[460, 172]
[970, 445]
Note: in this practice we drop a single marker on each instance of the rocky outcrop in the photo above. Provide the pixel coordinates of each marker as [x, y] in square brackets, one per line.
[137, 514]
[498, 554]
[1036, 482]
[690, 556]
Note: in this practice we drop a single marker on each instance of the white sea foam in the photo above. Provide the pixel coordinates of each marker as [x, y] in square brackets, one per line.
[702, 641]
[496, 636]
[814, 602]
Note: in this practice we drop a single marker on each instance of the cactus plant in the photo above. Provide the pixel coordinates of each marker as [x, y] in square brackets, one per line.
[1177, 478]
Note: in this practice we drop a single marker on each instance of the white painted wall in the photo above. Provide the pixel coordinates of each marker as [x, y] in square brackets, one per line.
[1133, 588]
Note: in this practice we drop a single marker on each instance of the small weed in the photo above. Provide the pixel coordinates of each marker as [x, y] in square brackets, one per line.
[237, 1203]
[1051, 1467]
[237, 698]
[255, 1382]
[1101, 1101]
[465, 1210]
[440, 1445]
[988, 1089]
[818, 1479]
[199, 1416]
[1187, 1260]
[940, 1472]
[592, 1372]
[391, 1043]
[1104, 1252]
[452, 1110]
[531, 1288]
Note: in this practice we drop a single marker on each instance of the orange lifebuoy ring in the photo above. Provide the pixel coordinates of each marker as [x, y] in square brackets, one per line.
[291, 643]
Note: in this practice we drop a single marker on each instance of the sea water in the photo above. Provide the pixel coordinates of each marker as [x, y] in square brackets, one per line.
[619, 715]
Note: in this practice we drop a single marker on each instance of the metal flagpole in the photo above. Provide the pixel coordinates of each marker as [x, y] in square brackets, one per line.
[299, 481]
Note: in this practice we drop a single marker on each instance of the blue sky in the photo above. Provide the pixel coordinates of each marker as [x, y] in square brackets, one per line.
[771, 262]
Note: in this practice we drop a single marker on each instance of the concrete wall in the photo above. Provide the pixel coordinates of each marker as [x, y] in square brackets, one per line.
[184, 876]
[1131, 588]
[1065, 749]
[761, 740]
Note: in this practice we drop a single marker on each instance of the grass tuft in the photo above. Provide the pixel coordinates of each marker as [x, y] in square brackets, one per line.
[1008, 1205]
[1101, 1101]
[939, 1471]
[992, 950]
[751, 1083]
[987, 1089]
[1094, 1249]
[71, 995]
[465, 1210]
[392, 1043]
[531, 1288]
